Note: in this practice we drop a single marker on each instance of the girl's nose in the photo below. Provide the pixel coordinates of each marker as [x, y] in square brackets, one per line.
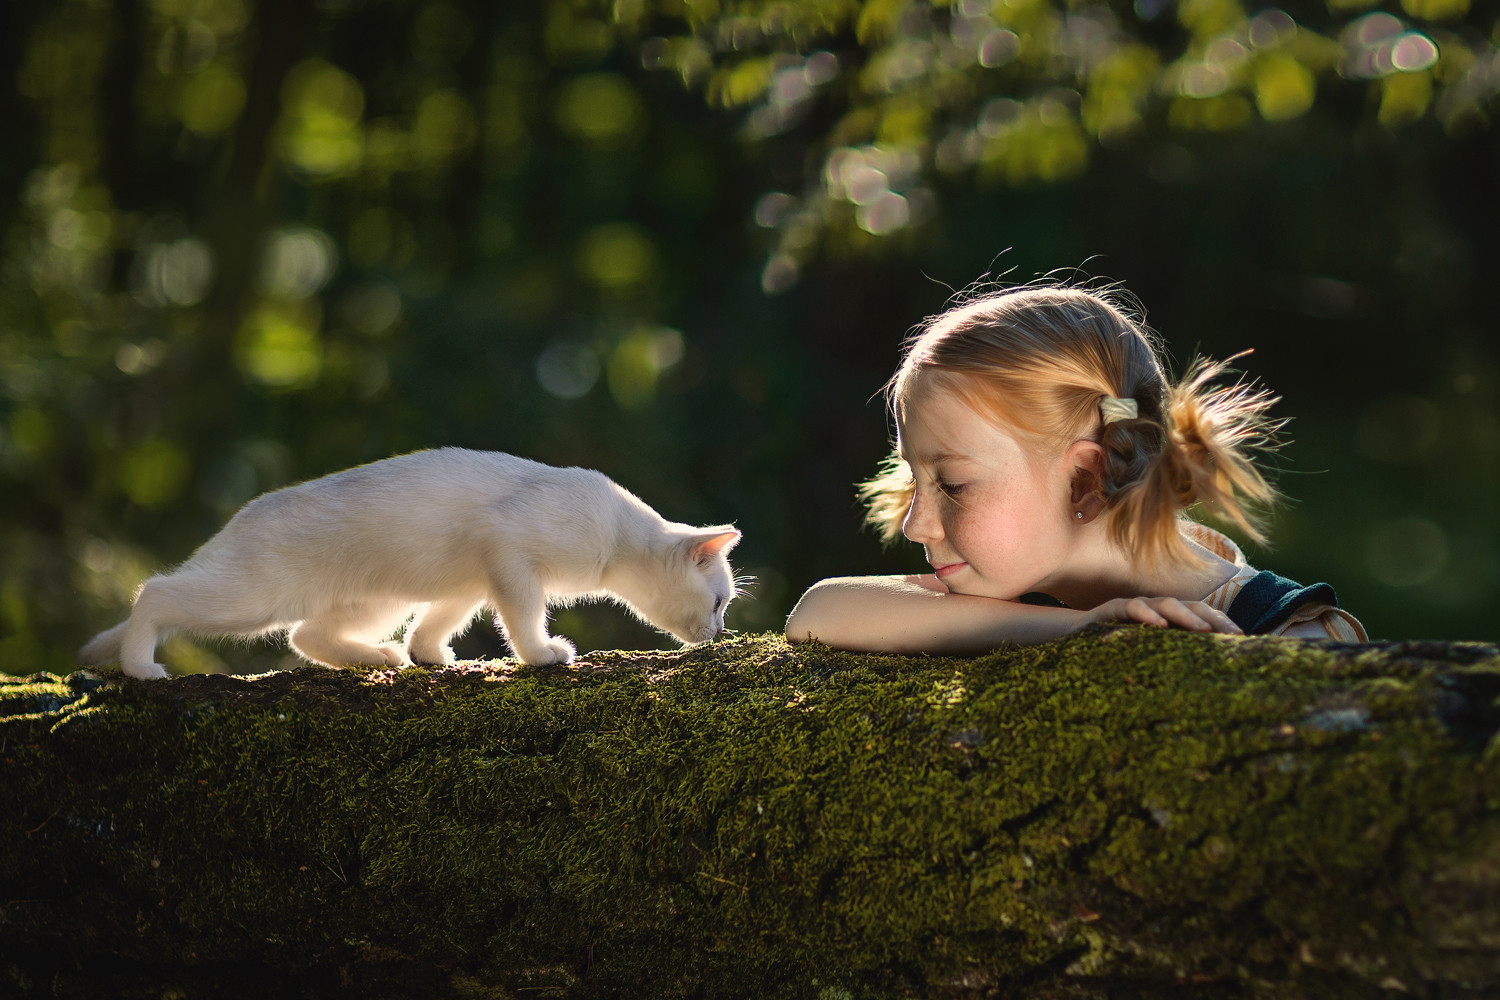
[919, 525]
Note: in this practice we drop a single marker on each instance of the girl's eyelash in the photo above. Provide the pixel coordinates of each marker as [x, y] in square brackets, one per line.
[947, 489]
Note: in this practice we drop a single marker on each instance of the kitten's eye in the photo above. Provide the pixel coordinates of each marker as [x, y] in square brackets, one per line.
[718, 603]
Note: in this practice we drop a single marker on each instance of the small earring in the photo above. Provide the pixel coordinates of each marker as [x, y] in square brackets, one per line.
[1078, 514]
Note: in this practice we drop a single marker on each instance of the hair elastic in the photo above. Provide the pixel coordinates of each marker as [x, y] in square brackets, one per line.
[1112, 408]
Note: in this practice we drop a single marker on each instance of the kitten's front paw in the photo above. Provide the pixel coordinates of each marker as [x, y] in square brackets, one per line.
[145, 671]
[441, 656]
[395, 655]
[551, 652]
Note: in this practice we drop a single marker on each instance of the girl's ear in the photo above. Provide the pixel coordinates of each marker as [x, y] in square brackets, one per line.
[713, 542]
[1085, 459]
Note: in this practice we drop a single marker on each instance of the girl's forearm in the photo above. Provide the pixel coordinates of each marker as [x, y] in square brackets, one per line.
[898, 615]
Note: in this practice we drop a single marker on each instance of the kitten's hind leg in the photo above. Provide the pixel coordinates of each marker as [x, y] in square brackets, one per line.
[159, 598]
[521, 613]
[436, 626]
[191, 600]
[331, 638]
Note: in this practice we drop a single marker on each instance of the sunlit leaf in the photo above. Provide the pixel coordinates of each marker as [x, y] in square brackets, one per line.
[1118, 88]
[904, 123]
[1284, 88]
[444, 126]
[154, 473]
[1404, 97]
[211, 100]
[30, 432]
[600, 108]
[279, 346]
[322, 108]
[1210, 18]
[1436, 10]
[1042, 145]
[616, 256]
[879, 19]
[638, 362]
[741, 83]
[573, 38]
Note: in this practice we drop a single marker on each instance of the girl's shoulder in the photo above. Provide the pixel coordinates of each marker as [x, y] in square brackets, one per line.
[1317, 618]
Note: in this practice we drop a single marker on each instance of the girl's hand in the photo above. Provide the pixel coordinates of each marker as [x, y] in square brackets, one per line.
[1163, 612]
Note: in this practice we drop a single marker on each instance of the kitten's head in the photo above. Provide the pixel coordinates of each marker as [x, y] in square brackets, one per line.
[693, 585]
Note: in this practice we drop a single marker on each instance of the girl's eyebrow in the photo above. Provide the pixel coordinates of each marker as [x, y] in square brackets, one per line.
[940, 457]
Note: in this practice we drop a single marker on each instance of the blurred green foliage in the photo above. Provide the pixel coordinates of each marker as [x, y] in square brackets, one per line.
[247, 243]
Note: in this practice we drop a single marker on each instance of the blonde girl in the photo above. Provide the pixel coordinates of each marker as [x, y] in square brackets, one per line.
[1043, 462]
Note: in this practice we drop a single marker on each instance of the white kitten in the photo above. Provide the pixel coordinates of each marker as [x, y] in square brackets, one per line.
[341, 562]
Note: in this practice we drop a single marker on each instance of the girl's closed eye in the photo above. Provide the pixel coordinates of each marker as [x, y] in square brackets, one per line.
[951, 490]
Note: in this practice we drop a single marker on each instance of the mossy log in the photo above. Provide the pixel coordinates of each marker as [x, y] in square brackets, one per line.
[1130, 812]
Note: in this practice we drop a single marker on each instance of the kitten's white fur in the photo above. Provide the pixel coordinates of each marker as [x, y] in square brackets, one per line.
[339, 563]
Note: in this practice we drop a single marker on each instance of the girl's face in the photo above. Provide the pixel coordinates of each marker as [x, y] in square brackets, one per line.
[993, 519]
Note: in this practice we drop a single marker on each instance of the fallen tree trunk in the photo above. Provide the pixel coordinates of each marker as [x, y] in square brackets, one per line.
[1128, 812]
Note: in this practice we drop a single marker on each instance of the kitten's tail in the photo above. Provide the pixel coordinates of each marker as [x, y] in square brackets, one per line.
[102, 648]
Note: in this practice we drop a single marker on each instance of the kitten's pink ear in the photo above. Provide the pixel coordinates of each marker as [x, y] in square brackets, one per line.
[714, 542]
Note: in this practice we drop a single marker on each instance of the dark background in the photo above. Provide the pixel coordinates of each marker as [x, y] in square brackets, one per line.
[247, 244]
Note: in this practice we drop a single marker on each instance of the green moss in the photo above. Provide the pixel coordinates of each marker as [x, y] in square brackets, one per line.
[750, 819]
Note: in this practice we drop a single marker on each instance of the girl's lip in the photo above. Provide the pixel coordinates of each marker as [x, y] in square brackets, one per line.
[949, 569]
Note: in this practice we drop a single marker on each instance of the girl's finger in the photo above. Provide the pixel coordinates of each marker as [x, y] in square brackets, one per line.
[1215, 619]
[1174, 612]
[1191, 616]
[1145, 611]
[1195, 622]
[1166, 612]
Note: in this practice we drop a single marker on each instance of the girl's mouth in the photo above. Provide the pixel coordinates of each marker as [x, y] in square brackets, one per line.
[949, 569]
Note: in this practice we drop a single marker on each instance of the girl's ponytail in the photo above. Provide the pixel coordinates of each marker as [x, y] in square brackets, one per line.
[1195, 449]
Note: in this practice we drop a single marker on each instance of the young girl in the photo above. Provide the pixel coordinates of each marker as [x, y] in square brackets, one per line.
[1043, 462]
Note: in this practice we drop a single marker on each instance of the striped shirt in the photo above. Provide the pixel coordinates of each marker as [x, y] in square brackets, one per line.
[1338, 623]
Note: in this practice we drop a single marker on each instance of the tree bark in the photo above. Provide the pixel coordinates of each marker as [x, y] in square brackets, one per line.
[1130, 812]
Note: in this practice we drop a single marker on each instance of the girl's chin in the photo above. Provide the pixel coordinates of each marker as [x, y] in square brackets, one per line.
[969, 589]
